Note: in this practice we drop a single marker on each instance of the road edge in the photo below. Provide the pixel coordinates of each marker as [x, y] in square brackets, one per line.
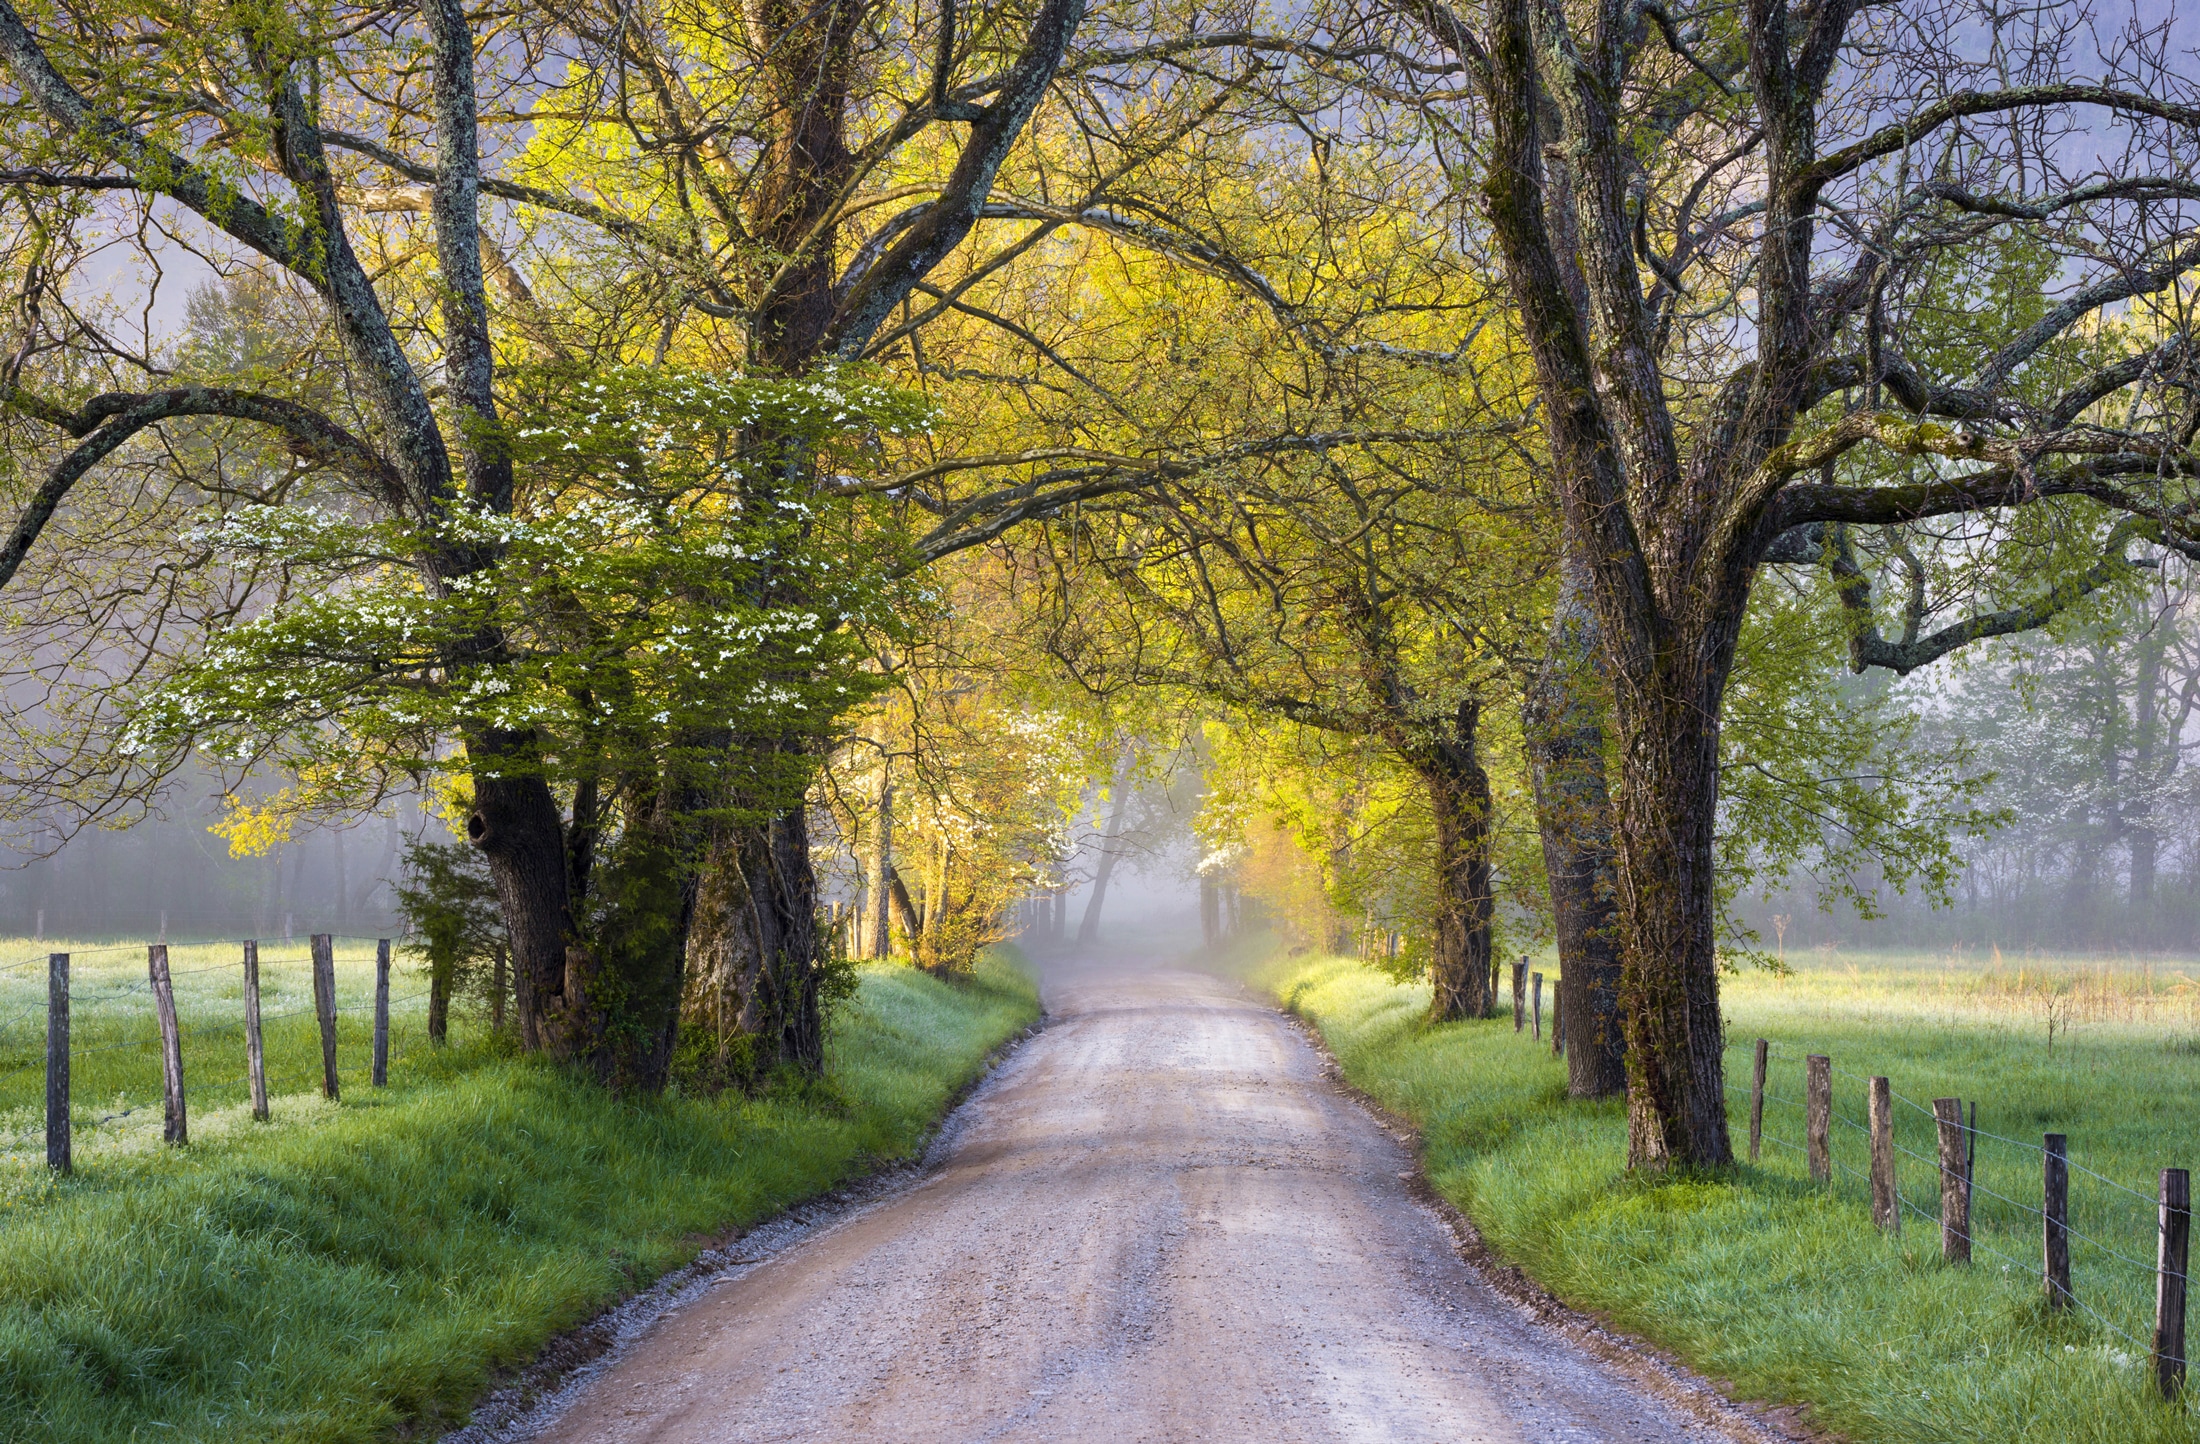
[1745, 1420]
[520, 1402]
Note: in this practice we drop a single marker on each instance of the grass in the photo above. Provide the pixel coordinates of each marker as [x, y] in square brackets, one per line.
[1783, 1287]
[352, 1270]
[114, 1052]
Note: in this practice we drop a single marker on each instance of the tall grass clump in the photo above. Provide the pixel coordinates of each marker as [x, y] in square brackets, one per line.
[1783, 1287]
[360, 1267]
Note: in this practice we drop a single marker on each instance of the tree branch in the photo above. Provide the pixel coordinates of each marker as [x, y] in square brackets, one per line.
[105, 422]
[1889, 139]
[942, 226]
[1868, 649]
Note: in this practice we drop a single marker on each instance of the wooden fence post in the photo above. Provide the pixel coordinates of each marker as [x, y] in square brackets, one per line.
[1886, 1199]
[255, 1054]
[57, 1062]
[1558, 1018]
[381, 1012]
[1818, 1115]
[175, 1130]
[497, 988]
[2169, 1282]
[1757, 1099]
[1955, 1182]
[2055, 1219]
[1520, 995]
[324, 1007]
[1537, 1035]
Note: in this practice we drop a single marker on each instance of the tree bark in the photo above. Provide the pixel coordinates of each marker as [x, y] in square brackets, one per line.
[1459, 800]
[1563, 722]
[1669, 980]
[753, 944]
[516, 824]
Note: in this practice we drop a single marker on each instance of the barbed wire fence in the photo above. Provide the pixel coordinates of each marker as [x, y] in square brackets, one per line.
[169, 1031]
[1954, 1167]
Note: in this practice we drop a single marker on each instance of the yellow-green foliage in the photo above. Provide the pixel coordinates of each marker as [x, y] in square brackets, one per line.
[1784, 1287]
[354, 1267]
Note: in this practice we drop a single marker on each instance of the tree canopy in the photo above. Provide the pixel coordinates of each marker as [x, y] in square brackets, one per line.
[769, 470]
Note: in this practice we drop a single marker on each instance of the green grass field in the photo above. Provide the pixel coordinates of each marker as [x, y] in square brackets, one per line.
[347, 1270]
[115, 1066]
[1783, 1287]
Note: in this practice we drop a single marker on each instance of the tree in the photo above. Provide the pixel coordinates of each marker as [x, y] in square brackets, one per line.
[239, 120]
[1709, 391]
[450, 902]
[163, 122]
[634, 652]
[987, 772]
[1373, 606]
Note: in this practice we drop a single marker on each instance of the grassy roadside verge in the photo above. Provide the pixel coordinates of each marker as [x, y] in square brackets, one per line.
[369, 1266]
[1764, 1280]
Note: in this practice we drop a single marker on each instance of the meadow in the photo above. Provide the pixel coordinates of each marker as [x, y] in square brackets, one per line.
[1782, 1287]
[352, 1270]
[114, 1054]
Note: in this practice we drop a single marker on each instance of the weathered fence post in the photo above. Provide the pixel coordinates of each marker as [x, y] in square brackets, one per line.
[1537, 1035]
[1955, 1181]
[2169, 1282]
[2055, 1219]
[381, 1012]
[1818, 1115]
[1558, 1019]
[324, 1007]
[255, 1055]
[57, 1061]
[497, 987]
[1520, 995]
[175, 1129]
[1757, 1099]
[1886, 1200]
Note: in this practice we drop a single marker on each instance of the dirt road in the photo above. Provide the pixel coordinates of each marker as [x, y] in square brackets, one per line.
[1157, 1222]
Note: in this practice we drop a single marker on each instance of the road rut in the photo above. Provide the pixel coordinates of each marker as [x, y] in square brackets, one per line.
[1158, 1221]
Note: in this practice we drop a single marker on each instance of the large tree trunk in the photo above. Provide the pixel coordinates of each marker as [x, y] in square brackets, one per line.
[626, 967]
[1562, 718]
[517, 826]
[1459, 799]
[753, 945]
[1669, 977]
[1670, 607]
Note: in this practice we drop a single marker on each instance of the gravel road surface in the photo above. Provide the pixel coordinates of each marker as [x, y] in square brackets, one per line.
[1158, 1221]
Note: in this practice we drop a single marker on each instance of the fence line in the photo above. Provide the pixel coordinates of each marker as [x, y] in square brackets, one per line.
[320, 958]
[1959, 1137]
